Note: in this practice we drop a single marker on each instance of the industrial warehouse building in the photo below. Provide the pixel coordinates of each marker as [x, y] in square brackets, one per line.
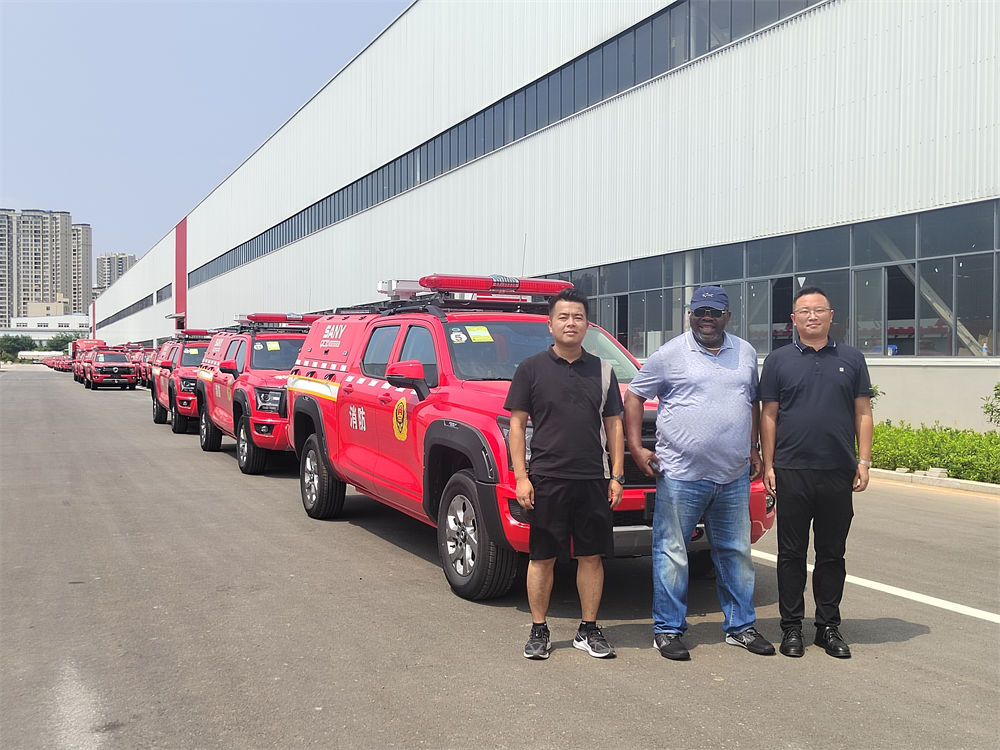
[638, 149]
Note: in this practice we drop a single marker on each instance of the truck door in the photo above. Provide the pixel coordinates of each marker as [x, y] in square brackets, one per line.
[222, 387]
[400, 443]
[357, 407]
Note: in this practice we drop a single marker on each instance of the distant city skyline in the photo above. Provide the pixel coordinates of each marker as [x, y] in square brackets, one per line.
[126, 115]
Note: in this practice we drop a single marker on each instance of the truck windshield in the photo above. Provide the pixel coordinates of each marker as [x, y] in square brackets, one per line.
[492, 350]
[193, 354]
[111, 357]
[275, 354]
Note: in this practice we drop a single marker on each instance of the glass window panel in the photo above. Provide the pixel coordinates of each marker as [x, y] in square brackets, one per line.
[868, 324]
[454, 161]
[781, 312]
[604, 313]
[759, 315]
[735, 294]
[614, 278]
[655, 305]
[681, 268]
[498, 125]
[787, 7]
[900, 309]
[722, 262]
[637, 324]
[886, 240]
[611, 68]
[676, 312]
[519, 115]
[935, 315]
[646, 273]
[626, 60]
[463, 146]
[555, 96]
[678, 35]
[595, 76]
[661, 43]
[542, 93]
[508, 119]
[566, 87]
[765, 13]
[836, 286]
[824, 248]
[488, 130]
[975, 291]
[699, 27]
[960, 229]
[585, 280]
[530, 109]
[721, 24]
[643, 52]
[581, 81]
[742, 18]
[480, 134]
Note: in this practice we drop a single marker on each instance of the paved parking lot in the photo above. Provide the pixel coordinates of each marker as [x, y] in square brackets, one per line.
[152, 596]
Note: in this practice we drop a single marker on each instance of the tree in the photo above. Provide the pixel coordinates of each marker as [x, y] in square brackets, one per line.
[991, 405]
[11, 345]
[61, 341]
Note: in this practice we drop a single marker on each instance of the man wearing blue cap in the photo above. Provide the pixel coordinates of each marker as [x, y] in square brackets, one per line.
[706, 454]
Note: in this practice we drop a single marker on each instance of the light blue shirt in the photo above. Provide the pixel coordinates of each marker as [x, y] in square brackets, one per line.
[704, 418]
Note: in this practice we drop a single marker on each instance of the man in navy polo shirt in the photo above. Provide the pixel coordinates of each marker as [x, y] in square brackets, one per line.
[817, 411]
[575, 406]
[706, 449]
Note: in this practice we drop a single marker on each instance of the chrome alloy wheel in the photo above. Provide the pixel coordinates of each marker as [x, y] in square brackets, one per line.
[310, 478]
[462, 535]
[241, 445]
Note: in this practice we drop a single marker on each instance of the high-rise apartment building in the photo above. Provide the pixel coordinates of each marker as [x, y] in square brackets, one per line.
[111, 266]
[44, 257]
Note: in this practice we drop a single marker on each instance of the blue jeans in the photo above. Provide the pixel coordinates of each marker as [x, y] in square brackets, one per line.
[725, 508]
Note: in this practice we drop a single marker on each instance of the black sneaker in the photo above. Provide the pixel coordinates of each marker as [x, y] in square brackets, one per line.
[592, 641]
[752, 641]
[669, 645]
[538, 645]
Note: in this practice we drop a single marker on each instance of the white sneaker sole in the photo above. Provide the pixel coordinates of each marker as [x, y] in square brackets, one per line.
[584, 646]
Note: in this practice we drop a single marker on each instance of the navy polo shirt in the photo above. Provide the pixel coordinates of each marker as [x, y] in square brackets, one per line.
[815, 391]
[563, 400]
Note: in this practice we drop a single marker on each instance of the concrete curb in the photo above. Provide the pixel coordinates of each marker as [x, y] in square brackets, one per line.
[948, 482]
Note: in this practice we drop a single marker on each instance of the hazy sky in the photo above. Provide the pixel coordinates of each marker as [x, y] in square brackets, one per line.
[127, 114]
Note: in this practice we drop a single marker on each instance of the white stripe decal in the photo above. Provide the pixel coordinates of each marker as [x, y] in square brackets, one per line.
[904, 593]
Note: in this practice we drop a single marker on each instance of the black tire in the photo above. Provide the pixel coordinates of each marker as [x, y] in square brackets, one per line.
[322, 491]
[159, 413]
[476, 566]
[131, 386]
[178, 422]
[209, 436]
[125, 386]
[249, 457]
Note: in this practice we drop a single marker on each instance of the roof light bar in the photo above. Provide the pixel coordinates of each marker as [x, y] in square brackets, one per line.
[290, 318]
[495, 283]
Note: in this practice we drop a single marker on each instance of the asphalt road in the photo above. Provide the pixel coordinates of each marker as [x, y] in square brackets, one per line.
[151, 596]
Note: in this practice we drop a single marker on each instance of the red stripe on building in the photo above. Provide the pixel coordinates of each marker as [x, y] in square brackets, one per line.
[180, 273]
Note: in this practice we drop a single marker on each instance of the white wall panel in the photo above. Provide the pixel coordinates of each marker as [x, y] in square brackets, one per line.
[849, 111]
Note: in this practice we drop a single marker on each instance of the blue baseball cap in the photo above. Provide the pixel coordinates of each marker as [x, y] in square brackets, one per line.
[710, 296]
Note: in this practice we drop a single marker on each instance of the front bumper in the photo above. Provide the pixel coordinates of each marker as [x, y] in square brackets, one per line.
[270, 433]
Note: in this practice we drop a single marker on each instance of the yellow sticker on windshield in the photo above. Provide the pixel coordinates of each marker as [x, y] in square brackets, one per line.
[273, 346]
[190, 351]
[479, 333]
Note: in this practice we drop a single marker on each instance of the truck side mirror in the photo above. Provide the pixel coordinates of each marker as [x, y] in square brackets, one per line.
[408, 374]
[228, 366]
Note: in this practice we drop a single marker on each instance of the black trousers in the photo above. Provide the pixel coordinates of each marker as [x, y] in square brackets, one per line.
[824, 499]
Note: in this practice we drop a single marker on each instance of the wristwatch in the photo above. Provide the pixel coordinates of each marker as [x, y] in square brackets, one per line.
[864, 462]
[620, 478]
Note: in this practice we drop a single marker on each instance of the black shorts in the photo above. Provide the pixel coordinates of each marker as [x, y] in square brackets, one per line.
[571, 518]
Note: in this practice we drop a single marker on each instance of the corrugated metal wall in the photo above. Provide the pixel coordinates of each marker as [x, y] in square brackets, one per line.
[851, 110]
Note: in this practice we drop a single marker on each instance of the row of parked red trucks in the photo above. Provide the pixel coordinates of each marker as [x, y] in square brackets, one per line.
[403, 400]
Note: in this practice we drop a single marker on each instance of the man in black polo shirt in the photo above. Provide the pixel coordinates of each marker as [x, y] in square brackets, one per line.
[816, 412]
[575, 406]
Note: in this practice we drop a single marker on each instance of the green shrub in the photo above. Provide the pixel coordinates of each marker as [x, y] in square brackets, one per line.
[965, 454]
[991, 405]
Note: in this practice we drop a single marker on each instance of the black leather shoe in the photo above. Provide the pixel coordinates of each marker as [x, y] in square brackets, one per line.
[831, 640]
[791, 643]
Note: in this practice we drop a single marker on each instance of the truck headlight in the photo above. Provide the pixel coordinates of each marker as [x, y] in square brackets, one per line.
[504, 424]
[188, 385]
[268, 399]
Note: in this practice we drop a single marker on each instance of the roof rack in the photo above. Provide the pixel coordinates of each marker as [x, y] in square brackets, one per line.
[274, 322]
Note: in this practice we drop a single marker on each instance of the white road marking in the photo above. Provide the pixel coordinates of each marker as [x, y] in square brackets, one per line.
[77, 713]
[905, 594]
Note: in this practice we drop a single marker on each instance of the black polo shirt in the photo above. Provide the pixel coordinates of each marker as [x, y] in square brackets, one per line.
[563, 400]
[815, 391]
